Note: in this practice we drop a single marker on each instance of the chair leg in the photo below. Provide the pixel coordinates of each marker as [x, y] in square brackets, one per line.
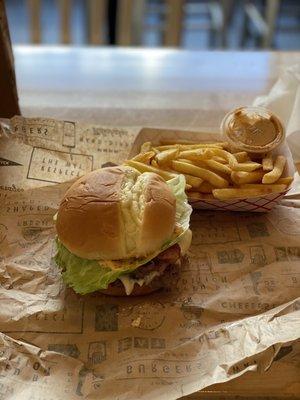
[139, 11]
[174, 22]
[272, 8]
[227, 7]
[212, 38]
[96, 14]
[34, 8]
[217, 23]
[245, 30]
[65, 20]
[111, 21]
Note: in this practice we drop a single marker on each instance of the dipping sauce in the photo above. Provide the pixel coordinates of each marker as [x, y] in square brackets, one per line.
[252, 129]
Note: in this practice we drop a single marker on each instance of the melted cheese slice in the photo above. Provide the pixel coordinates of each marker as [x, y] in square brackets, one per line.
[128, 282]
[185, 241]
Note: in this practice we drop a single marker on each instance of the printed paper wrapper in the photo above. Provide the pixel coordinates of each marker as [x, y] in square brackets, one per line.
[233, 309]
[255, 204]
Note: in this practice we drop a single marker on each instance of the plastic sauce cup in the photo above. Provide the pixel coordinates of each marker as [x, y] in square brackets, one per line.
[253, 129]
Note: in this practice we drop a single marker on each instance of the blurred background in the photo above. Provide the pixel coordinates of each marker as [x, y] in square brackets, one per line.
[191, 24]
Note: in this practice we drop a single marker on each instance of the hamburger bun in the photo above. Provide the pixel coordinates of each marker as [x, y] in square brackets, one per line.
[116, 213]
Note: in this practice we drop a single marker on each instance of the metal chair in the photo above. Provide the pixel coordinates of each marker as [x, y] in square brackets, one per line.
[264, 22]
[175, 14]
[96, 20]
[130, 20]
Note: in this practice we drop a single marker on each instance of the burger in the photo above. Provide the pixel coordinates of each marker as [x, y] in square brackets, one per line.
[121, 232]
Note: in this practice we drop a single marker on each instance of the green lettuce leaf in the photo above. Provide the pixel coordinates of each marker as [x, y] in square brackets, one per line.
[86, 276]
[183, 209]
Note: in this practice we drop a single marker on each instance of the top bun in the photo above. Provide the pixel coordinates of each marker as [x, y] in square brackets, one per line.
[116, 213]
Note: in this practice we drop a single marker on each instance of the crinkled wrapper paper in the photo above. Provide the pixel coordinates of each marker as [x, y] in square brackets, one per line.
[232, 309]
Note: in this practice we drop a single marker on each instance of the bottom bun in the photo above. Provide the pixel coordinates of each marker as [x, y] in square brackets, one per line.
[164, 280]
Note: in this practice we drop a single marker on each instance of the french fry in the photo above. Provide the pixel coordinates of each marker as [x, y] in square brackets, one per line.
[246, 166]
[149, 168]
[190, 143]
[206, 187]
[154, 163]
[195, 154]
[194, 181]
[164, 157]
[274, 187]
[267, 163]
[145, 147]
[219, 159]
[276, 172]
[211, 177]
[200, 196]
[184, 147]
[186, 161]
[222, 153]
[198, 163]
[212, 171]
[194, 195]
[241, 177]
[241, 156]
[285, 181]
[215, 165]
[144, 157]
[244, 193]
[203, 164]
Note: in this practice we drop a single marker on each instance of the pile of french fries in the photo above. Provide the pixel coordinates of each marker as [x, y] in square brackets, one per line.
[212, 171]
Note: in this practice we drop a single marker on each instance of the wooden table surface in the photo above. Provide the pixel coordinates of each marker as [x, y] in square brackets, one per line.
[142, 86]
[153, 87]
